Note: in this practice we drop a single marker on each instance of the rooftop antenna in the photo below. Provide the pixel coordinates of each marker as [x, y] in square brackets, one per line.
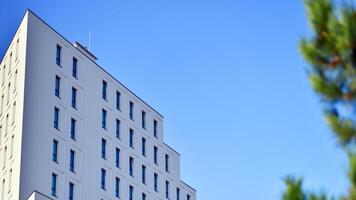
[89, 39]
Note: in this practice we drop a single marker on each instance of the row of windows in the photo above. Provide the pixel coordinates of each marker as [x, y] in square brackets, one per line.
[74, 61]
[9, 185]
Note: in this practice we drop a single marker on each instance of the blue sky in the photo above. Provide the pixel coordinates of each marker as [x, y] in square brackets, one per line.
[228, 77]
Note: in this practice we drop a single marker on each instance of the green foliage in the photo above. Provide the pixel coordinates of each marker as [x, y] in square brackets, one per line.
[331, 53]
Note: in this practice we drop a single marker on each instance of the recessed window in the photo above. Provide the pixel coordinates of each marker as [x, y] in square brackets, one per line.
[55, 151]
[71, 191]
[118, 100]
[56, 118]
[131, 166]
[131, 113]
[143, 196]
[58, 55]
[74, 97]
[131, 138]
[143, 120]
[131, 192]
[178, 194]
[72, 160]
[143, 174]
[3, 75]
[155, 124]
[117, 157]
[103, 179]
[167, 162]
[17, 48]
[167, 189]
[188, 197]
[54, 185]
[73, 123]
[10, 62]
[103, 118]
[118, 124]
[74, 67]
[104, 88]
[117, 187]
[103, 148]
[143, 146]
[57, 86]
[155, 182]
[155, 155]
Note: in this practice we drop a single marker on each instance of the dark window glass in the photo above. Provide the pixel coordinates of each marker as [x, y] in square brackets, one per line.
[74, 97]
[57, 86]
[178, 194]
[56, 118]
[103, 177]
[188, 197]
[143, 196]
[143, 174]
[74, 67]
[103, 148]
[131, 138]
[143, 120]
[118, 99]
[58, 55]
[144, 146]
[117, 158]
[155, 182]
[131, 192]
[72, 128]
[131, 165]
[71, 160]
[155, 123]
[71, 191]
[117, 187]
[155, 155]
[54, 185]
[167, 162]
[105, 85]
[103, 118]
[118, 124]
[167, 189]
[131, 110]
[55, 151]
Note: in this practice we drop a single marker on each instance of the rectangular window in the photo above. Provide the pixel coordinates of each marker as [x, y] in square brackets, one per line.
[143, 196]
[15, 81]
[2, 104]
[17, 49]
[103, 118]
[118, 97]
[167, 189]
[57, 86]
[12, 146]
[8, 92]
[131, 192]
[71, 191]
[4, 159]
[167, 162]
[131, 166]
[56, 118]
[117, 187]
[188, 197]
[55, 151]
[13, 112]
[155, 123]
[155, 182]
[74, 97]
[155, 155]
[143, 119]
[143, 174]
[6, 124]
[58, 55]
[10, 62]
[73, 123]
[3, 75]
[118, 124]
[74, 67]
[54, 185]
[131, 114]
[3, 190]
[131, 138]
[103, 148]
[178, 194]
[72, 160]
[117, 158]
[103, 177]
[10, 180]
[144, 146]
[104, 88]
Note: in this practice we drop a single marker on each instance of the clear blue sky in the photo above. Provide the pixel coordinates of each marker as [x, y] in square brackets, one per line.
[227, 76]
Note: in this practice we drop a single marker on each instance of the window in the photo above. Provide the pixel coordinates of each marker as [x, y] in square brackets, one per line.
[155, 155]
[105, 85]
[71, 191]
[131, 138]
[143, 196]
[74, 97]
[71, 160]
[131, 114]
[56, 118]
[188, 197]
[155, 182]
[131, 166]
[54, 185]
[144, 146]
[74, 67]
[4, 159]
[167, 189]
[118, 97]
[117, 187]
[17, 49]
[2, 104]
[143, 119]
[167, 162]
[155, 128]
[10, 62]
[3, 190]
[10, 180]
[103, 118]
[143, 174]
[117, 158]
[12, 146]
[178, 194]
[118, 124]
[13, 112]
[15, 81]
[73, 123]
[8, 92]
[131, 192]
[103, 177]
[103, 148]
[3, 75]
[6, 124]
[58, 55]
[55, 151]
[57, 86]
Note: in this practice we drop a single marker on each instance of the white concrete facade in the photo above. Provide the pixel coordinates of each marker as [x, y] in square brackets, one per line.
[85, 152]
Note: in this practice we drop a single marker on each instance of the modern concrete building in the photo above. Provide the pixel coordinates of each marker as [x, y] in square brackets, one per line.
[70, 130]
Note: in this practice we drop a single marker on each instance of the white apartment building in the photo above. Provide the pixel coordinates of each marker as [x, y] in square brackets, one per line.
[71, 131]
